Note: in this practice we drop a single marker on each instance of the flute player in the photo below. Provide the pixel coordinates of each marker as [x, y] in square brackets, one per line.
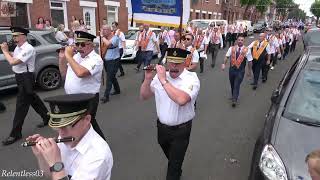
[87, 157]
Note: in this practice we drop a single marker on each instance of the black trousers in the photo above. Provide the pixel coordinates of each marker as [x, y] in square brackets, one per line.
[293, 46]
[224, 40]
[286, 50]
[174, 141]
[120, 64]
[229, 38]
[235, 78]
[274, 59]
[214, 51]
[138, 58]
[256, 68]
[2, 107]
[93, 107]
[111, 68]
[201, 60]
[163, 49]
[265, 70]
[26, 97]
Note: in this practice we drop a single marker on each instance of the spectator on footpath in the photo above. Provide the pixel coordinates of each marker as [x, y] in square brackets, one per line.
[48, 25]
[71, 38]
[61, 37]
[313, 162]
[40, 24]
[82, 26]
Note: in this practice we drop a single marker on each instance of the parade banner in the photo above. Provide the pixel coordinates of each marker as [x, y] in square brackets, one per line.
[159, 12]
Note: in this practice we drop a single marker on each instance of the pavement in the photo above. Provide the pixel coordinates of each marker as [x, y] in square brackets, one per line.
[222, 137]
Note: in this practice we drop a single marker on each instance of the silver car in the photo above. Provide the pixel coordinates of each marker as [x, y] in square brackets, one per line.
[46, 65]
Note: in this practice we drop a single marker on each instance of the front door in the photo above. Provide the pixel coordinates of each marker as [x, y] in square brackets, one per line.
[89, 15]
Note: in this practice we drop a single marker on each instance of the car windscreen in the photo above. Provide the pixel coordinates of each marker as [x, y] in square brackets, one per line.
[304, 100]
[131, 34]
[312, 38]
[50, 38]
[200, 24]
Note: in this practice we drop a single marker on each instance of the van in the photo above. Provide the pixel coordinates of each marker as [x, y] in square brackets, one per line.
[248, 24]
[204, 23]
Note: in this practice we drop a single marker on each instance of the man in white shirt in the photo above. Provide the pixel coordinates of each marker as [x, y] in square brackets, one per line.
[23, 65]
[193, 58]
[239, 56]
[164, 42]
[216, 43]
[274, 47]
[261, 58]
[175, 94]
[83, 72]
[201, 44]
[149, 43]
[87, 157]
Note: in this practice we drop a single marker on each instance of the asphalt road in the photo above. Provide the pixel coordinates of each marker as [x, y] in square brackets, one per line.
[222, 138]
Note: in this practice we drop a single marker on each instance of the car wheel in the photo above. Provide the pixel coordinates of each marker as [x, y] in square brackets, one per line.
[49, 78]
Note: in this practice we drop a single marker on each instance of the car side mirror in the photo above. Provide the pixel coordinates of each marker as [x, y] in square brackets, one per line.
[275, 96]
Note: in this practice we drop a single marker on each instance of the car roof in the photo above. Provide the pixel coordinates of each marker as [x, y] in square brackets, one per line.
[136, 28]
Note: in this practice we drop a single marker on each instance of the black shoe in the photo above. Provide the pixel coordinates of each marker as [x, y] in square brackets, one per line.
[114, 93]
[234, 104]
[10, 140]
[264, 80]
[254, 87]
[42, 124]
[122, 74]
[251, 84]
[212, 65]
[104, 100]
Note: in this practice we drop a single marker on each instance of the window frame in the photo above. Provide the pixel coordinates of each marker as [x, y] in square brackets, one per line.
[63, 8]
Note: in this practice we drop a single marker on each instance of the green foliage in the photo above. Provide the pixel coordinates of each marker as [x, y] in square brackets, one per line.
[262, 5]
[315, 8]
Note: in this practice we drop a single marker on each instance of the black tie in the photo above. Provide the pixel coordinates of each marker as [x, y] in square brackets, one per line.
[238, 53]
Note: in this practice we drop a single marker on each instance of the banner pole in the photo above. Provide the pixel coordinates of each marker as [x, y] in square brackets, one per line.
[181, 17]
[100, 39]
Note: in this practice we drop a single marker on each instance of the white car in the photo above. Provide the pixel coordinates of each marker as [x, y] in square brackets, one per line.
[129, 53]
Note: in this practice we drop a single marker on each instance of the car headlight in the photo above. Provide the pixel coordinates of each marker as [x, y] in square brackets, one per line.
[271, 164]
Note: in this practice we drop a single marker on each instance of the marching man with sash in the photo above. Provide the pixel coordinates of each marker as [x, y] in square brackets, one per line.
[192, 59]
[239, 55]
[261, 57]
[216, 43]
[201, 44]
[148, 42]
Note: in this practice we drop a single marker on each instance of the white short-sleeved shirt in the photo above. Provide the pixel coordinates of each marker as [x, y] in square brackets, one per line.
[91, 158]
[195, 55]
[169, 112]
[153, 39]
[267, 48]
[205, 41]
[122, 39]
[90, 84]
[27, 54]
[248, 54]
[274, 44]
[165, 36]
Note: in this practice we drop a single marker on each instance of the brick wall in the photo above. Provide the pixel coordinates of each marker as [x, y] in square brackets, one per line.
[39, 8]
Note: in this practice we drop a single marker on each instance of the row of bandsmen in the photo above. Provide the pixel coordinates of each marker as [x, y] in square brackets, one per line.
[261, 56]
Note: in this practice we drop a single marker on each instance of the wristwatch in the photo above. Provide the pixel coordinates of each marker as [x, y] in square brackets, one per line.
[57, 167]
[165, 82]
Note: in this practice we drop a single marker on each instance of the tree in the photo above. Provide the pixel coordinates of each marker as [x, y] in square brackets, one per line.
[248, 4]
[315, 9]
[297, 14]
[283, 7]
[262, 5]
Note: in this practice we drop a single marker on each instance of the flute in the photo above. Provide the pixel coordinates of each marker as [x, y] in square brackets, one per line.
[57, 140]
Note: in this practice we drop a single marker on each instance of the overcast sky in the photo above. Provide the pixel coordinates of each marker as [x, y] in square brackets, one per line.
[305, 5]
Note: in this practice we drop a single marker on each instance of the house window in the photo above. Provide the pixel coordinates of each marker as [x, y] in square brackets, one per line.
[209, 16]
[112, 14]
[87, 18]
[217, 1]
[58, 13]
[197, 15]
[203, 16]
[21, 17]
[235, 2]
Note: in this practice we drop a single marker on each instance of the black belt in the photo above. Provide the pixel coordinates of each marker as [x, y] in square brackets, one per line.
[183, 125]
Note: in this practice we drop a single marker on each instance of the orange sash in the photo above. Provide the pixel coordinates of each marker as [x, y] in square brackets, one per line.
[216, 37]
[257, 52]
[198, 42]
[145, 41]
[189, 58]
[237, 62]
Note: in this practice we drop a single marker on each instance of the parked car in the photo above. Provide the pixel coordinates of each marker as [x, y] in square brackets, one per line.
[259, 27]
[292, 125]
[312, 37]
[46, 64]
[129, 52]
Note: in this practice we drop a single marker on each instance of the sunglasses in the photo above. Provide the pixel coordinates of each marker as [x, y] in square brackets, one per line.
[82, 44]
[188, 39]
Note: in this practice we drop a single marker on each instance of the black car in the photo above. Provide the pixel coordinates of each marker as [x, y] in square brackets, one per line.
[259, 28]
[292, 125]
